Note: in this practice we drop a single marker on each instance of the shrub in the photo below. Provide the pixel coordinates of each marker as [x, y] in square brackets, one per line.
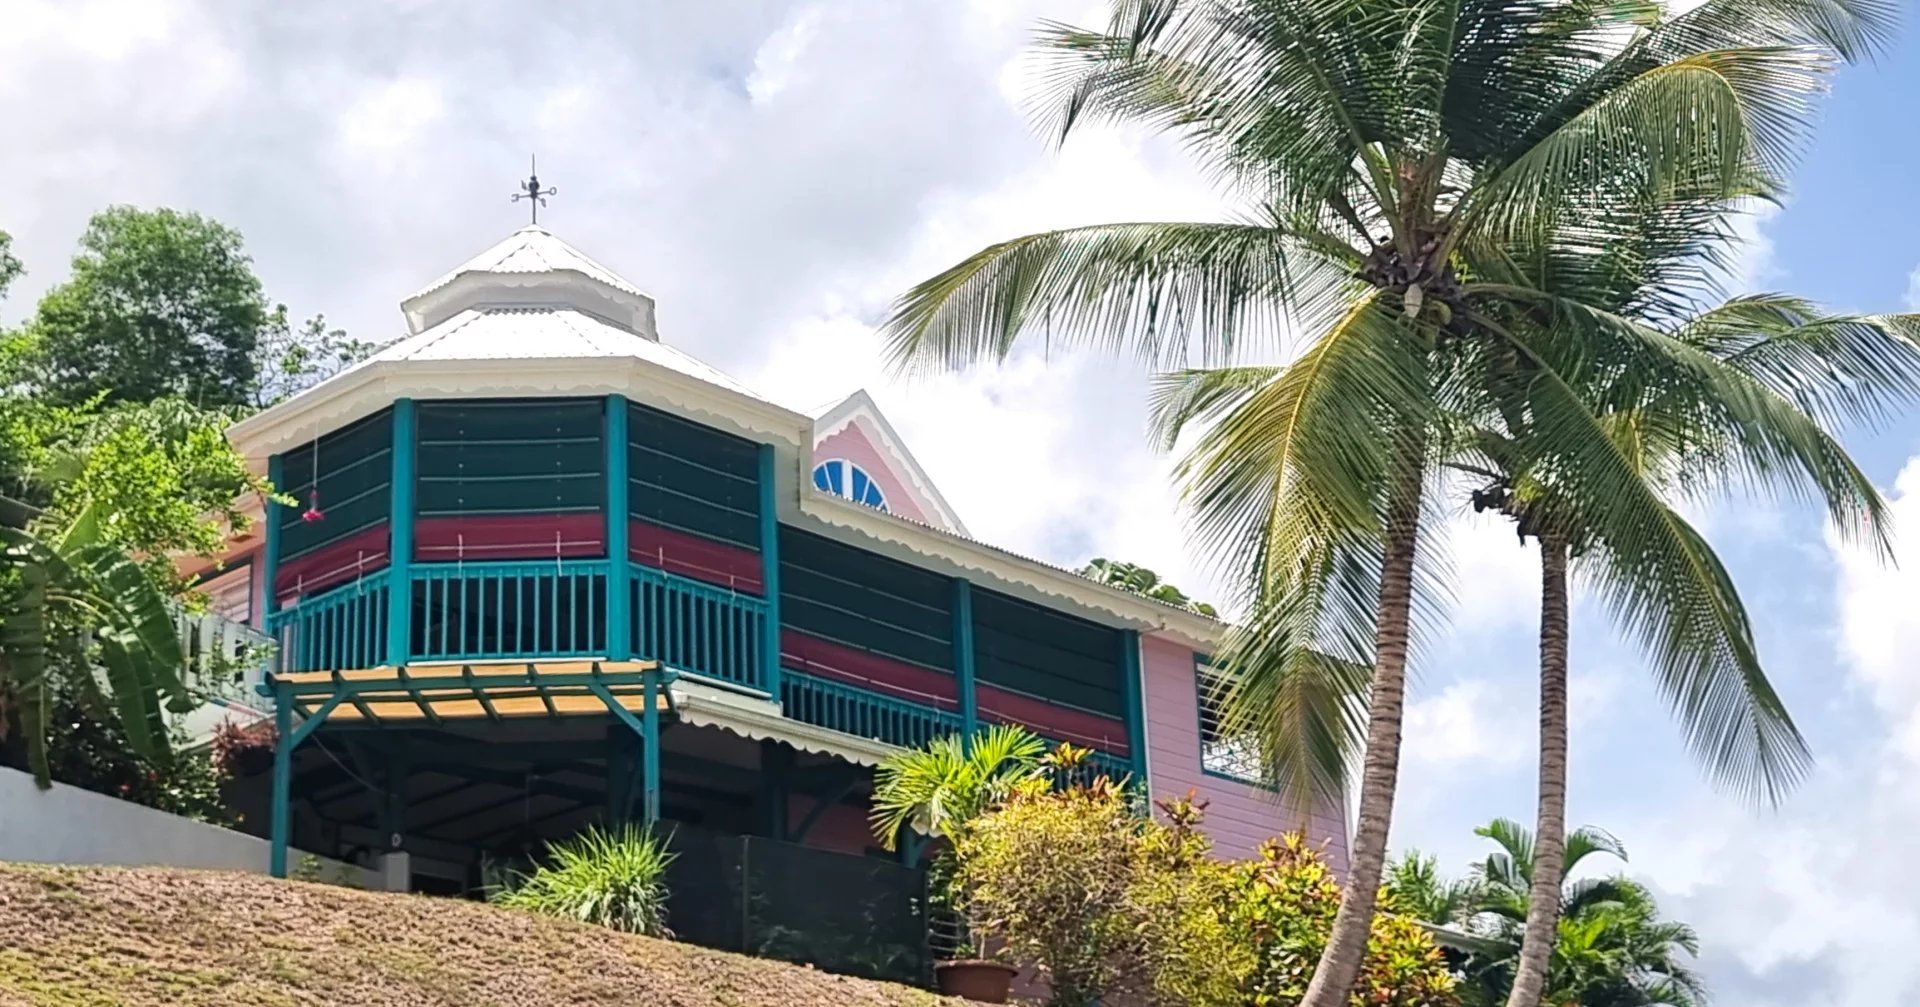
[1105, 903]
[1044, 879]
[615, 879]
[1284, 908]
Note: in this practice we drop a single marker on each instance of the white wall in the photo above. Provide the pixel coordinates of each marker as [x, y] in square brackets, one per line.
[67, 825]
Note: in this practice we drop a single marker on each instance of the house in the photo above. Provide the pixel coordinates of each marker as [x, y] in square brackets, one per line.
[548, 570]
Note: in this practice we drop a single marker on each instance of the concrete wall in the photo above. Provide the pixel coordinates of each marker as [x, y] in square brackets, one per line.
[1239, 816]
[68, 825]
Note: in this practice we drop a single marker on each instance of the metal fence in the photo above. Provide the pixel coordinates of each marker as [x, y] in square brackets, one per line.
[840, 913]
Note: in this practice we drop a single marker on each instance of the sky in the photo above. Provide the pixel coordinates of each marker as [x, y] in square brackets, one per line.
[776, 173]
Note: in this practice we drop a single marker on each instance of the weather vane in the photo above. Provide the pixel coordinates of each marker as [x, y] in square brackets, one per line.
[530, 190]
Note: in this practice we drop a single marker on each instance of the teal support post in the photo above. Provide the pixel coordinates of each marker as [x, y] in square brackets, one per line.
[281, 815]
[650, 740]
[270, 552]
[1131, 690]
[769, 576]
[400, 538]
[619, 565]
[963, 660]
[286, 739]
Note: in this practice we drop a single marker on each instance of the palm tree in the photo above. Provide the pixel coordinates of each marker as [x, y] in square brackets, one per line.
[1417, 175]
[1855, 365]
[1144, 582]
[1611, 949]
[78, 615]
[952, 780]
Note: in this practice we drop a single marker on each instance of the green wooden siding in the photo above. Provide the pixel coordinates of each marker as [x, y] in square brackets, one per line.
[1047, 654]
[692, 478]
[518, 456]
[865, 600]
[355, 484]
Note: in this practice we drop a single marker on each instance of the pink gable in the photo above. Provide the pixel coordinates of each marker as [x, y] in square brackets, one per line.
[852, 443]
[1239, 816]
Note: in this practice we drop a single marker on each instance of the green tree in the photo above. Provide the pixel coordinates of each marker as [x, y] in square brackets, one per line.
[160, 303]
[1611, 947]
[1837, 368]
[1144, 582]
[96, 503]
[10, 267]
[1417, 179]
[289, 360]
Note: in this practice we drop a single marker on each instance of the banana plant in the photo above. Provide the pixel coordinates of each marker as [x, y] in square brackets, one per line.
[78, 615]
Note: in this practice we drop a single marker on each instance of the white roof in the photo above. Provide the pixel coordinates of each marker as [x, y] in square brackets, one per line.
[545, 333]
[530, 267]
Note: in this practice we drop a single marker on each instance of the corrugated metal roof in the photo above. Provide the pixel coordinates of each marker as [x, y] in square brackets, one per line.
[545, 333]
[533, 249]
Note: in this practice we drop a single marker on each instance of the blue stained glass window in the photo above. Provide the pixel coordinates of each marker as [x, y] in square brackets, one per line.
[843, 478]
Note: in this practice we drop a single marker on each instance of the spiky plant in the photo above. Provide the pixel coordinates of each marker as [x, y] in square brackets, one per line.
[616, 879]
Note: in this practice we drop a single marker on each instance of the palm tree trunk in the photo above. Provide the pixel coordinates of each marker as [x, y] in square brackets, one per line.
[1380, 769]
[1550, 832]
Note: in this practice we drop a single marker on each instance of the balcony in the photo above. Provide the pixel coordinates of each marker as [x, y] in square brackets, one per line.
[528, 609]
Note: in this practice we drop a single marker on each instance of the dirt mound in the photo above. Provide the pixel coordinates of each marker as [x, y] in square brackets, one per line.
[98, 936]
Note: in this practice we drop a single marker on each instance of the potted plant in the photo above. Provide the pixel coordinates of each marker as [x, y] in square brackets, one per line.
[933, 792]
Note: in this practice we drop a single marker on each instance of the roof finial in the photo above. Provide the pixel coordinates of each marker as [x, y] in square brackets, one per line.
[530, 191]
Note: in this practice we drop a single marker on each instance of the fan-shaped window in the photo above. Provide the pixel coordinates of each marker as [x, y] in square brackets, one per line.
[843, 478]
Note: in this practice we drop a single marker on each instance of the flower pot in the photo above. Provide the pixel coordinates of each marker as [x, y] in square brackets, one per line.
[975, 979]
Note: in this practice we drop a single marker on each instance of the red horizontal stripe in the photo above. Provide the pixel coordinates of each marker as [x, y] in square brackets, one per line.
[1109, 734]
[357, 555]
[864, 668]
[479, 537]
[692, 556]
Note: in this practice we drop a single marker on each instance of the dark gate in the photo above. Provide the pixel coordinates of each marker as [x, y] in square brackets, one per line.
[840, 913]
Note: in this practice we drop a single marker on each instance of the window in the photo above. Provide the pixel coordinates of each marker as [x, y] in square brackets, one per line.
[1234, 757]
[843, 478]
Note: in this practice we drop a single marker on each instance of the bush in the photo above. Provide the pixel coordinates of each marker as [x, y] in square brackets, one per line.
[1044, 879]
[1284, 908]
[614, 879]
[1105, 903]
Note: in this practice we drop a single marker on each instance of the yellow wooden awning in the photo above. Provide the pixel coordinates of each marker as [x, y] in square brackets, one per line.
[472, 690]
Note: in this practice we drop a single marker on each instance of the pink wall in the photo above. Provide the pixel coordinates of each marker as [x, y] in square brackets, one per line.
[850, 442]
[1239, 816]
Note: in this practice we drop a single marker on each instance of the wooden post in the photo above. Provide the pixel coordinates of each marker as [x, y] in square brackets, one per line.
[282, 808]
[650, 740]
[963, 660]
[619, 568]
[769, 575]
[400, 538]
[1132, 689]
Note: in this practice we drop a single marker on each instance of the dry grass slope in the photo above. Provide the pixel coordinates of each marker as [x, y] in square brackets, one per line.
[81, 937]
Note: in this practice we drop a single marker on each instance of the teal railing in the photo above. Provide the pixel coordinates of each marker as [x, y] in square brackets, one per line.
[852, 710]
[696, 627]
[509, 608]
[529, 609]
[344, 627]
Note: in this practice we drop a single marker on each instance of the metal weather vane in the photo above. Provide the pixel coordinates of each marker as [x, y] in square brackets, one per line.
[530, 191]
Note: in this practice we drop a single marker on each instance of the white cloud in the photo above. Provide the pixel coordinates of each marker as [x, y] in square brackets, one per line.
[388, 119]
[1470, 726]
[1913, 290]
[774, 64]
